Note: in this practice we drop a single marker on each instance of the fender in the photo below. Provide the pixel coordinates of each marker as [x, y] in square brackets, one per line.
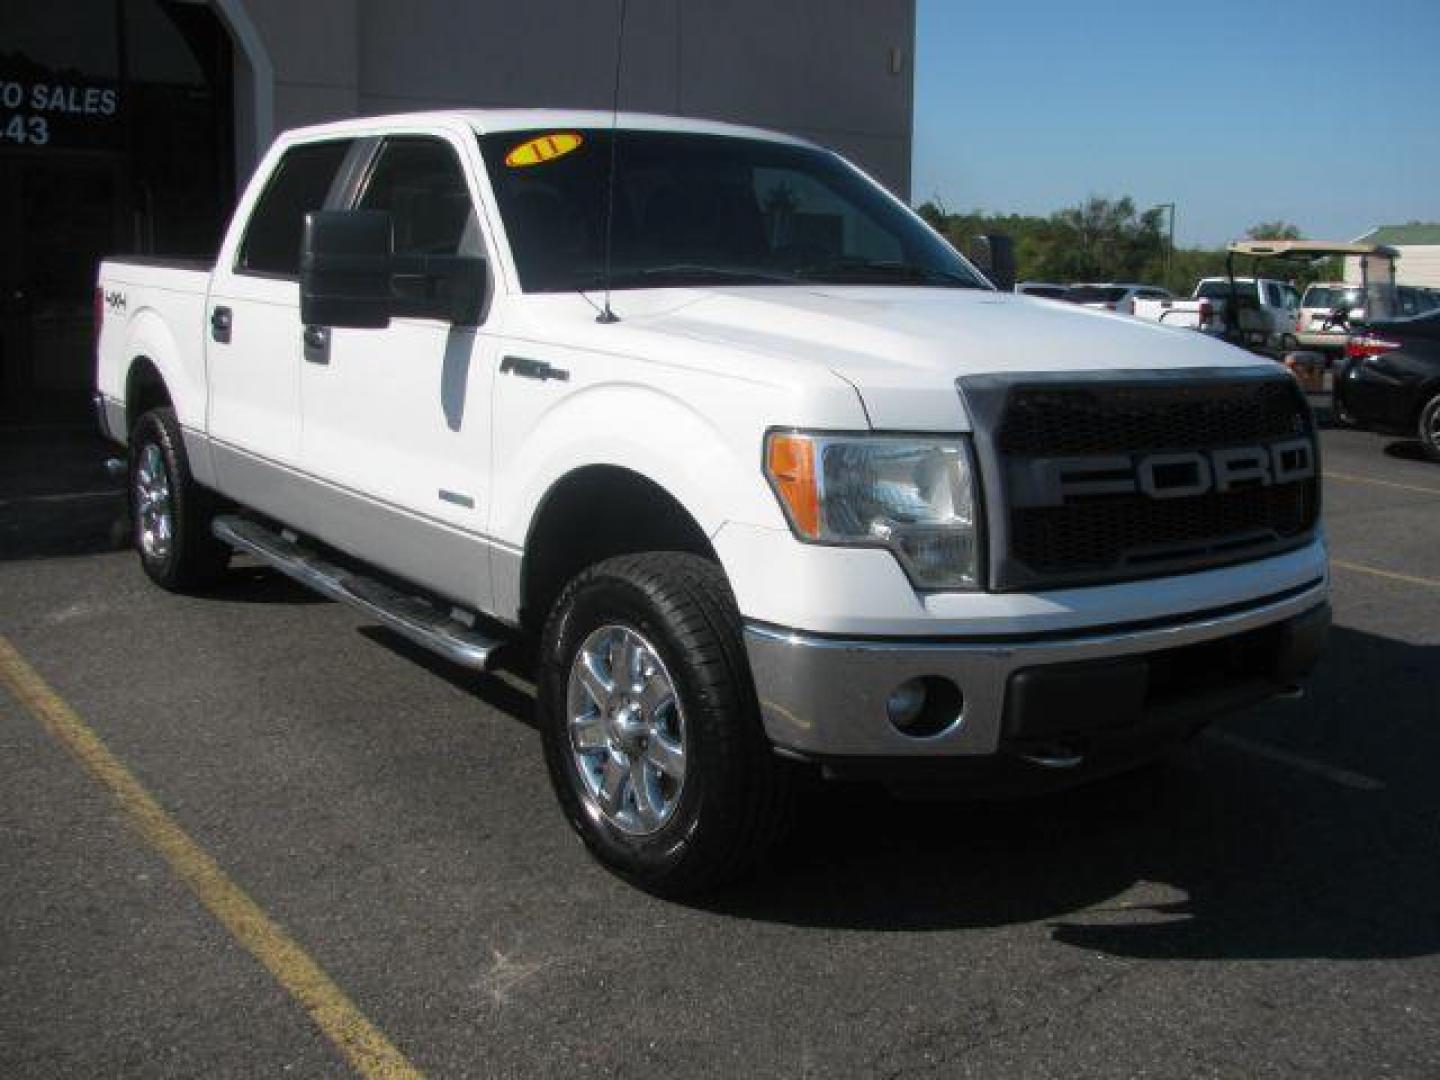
[639, 428]
[147, 335]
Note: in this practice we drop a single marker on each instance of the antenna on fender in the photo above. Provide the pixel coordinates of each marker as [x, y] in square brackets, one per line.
[606, 314]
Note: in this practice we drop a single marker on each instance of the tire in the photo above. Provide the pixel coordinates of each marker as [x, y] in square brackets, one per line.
[1288, 343]
[674, 616]
[170, 513]
[1428, 428]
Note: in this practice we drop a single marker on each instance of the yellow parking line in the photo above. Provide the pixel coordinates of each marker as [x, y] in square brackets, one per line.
[1352, 478]
[1411, 579]
[334, 1014]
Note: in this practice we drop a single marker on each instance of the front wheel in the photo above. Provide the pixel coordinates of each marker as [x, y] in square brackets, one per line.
[1429, 428]
[171, 514]
[651, 728]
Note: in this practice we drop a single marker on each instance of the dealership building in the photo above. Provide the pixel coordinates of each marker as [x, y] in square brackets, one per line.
[128, 126]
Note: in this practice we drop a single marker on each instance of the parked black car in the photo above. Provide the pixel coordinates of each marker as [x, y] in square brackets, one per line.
[1391, 379]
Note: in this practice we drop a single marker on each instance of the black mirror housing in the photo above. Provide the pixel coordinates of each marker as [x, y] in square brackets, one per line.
[994, 253]
[351, 277]
[345, 269]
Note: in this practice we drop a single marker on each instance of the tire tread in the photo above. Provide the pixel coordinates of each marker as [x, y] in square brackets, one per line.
[695, 599]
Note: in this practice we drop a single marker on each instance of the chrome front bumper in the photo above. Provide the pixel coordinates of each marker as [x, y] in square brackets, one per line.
[825, 697]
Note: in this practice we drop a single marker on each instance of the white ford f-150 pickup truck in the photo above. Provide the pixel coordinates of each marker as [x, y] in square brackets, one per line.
[771, 478]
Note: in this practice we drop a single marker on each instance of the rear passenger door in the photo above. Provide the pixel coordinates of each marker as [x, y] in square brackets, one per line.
[396, 421]
[253, 334]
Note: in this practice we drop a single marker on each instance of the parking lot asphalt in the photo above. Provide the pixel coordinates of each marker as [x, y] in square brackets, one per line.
[1265, 903]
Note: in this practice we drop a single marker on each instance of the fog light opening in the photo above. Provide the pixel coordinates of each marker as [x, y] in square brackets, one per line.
[924, 706]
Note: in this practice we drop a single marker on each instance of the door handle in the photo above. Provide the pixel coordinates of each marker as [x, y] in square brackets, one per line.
[527, 368]
[317, 344]
[220, 323]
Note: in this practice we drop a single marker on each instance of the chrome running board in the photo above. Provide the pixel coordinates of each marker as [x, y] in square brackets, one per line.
[413, 617]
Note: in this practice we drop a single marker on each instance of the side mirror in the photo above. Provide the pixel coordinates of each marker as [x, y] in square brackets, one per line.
[350, 275]
[994, 253]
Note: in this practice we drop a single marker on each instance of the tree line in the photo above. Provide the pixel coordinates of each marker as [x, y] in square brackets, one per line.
[1104, 239]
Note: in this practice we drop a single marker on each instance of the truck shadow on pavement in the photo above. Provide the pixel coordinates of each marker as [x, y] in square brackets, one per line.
[1216, 853]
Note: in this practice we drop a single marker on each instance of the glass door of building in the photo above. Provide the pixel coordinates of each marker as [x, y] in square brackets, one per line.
[60, 214]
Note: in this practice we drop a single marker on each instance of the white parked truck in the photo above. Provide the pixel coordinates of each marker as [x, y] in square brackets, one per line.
[769, 475]
[1257, 312]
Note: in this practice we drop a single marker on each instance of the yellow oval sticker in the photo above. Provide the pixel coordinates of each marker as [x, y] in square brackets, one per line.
[543, 148]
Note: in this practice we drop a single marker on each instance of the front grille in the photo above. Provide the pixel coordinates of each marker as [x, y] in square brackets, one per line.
[1138, 531]
[1090, 538]
[1130, 419]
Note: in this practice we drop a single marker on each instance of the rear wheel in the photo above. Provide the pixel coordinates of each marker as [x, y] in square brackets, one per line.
[1429, 428]
[651, 727]
[170, 513]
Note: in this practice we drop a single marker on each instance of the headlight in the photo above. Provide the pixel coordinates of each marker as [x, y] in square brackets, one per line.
[912, 495]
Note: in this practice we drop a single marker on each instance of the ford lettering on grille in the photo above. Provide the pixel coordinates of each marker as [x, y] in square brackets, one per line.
[1178, 475]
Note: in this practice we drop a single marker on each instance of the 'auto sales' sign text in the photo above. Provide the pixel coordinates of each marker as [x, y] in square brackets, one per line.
[63, 113]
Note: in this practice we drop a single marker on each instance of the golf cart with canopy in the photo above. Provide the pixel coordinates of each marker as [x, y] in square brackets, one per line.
[1263, 313]
[1327, 331]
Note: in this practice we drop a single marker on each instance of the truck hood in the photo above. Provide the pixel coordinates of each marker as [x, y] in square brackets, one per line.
[903, 348]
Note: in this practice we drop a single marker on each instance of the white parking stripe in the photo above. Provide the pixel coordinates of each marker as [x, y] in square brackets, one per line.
[1353, 479]
[1409, 579]
[1284, 757]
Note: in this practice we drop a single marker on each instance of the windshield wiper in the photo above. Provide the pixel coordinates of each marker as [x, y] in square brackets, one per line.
[847, 269]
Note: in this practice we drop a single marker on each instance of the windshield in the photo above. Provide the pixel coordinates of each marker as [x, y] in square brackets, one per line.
[1328, 298]
[703, 209]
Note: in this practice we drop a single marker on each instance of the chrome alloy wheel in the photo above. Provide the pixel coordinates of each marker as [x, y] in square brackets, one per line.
[153, 504]
[627, 730]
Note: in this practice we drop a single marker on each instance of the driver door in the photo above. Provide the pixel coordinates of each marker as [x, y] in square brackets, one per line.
[396, 421]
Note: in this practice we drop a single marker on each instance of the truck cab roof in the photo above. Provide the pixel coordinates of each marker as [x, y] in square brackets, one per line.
[489, 121]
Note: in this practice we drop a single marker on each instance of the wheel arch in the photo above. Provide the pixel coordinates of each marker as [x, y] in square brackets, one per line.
[145, 389]
[593, 513]
[1427, 392]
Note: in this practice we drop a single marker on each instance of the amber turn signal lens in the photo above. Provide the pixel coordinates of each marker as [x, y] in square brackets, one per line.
[790, 461]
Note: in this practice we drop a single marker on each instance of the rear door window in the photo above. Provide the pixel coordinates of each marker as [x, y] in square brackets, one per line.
[300, 183]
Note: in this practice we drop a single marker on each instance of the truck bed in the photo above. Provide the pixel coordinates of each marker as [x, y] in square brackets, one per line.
[154, 308]
[163, 262]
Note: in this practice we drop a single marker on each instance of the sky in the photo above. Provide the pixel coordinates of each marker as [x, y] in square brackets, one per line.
[1324, 113]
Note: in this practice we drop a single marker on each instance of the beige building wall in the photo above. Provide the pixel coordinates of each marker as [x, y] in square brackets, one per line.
[836, 71]
[1418, 264]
